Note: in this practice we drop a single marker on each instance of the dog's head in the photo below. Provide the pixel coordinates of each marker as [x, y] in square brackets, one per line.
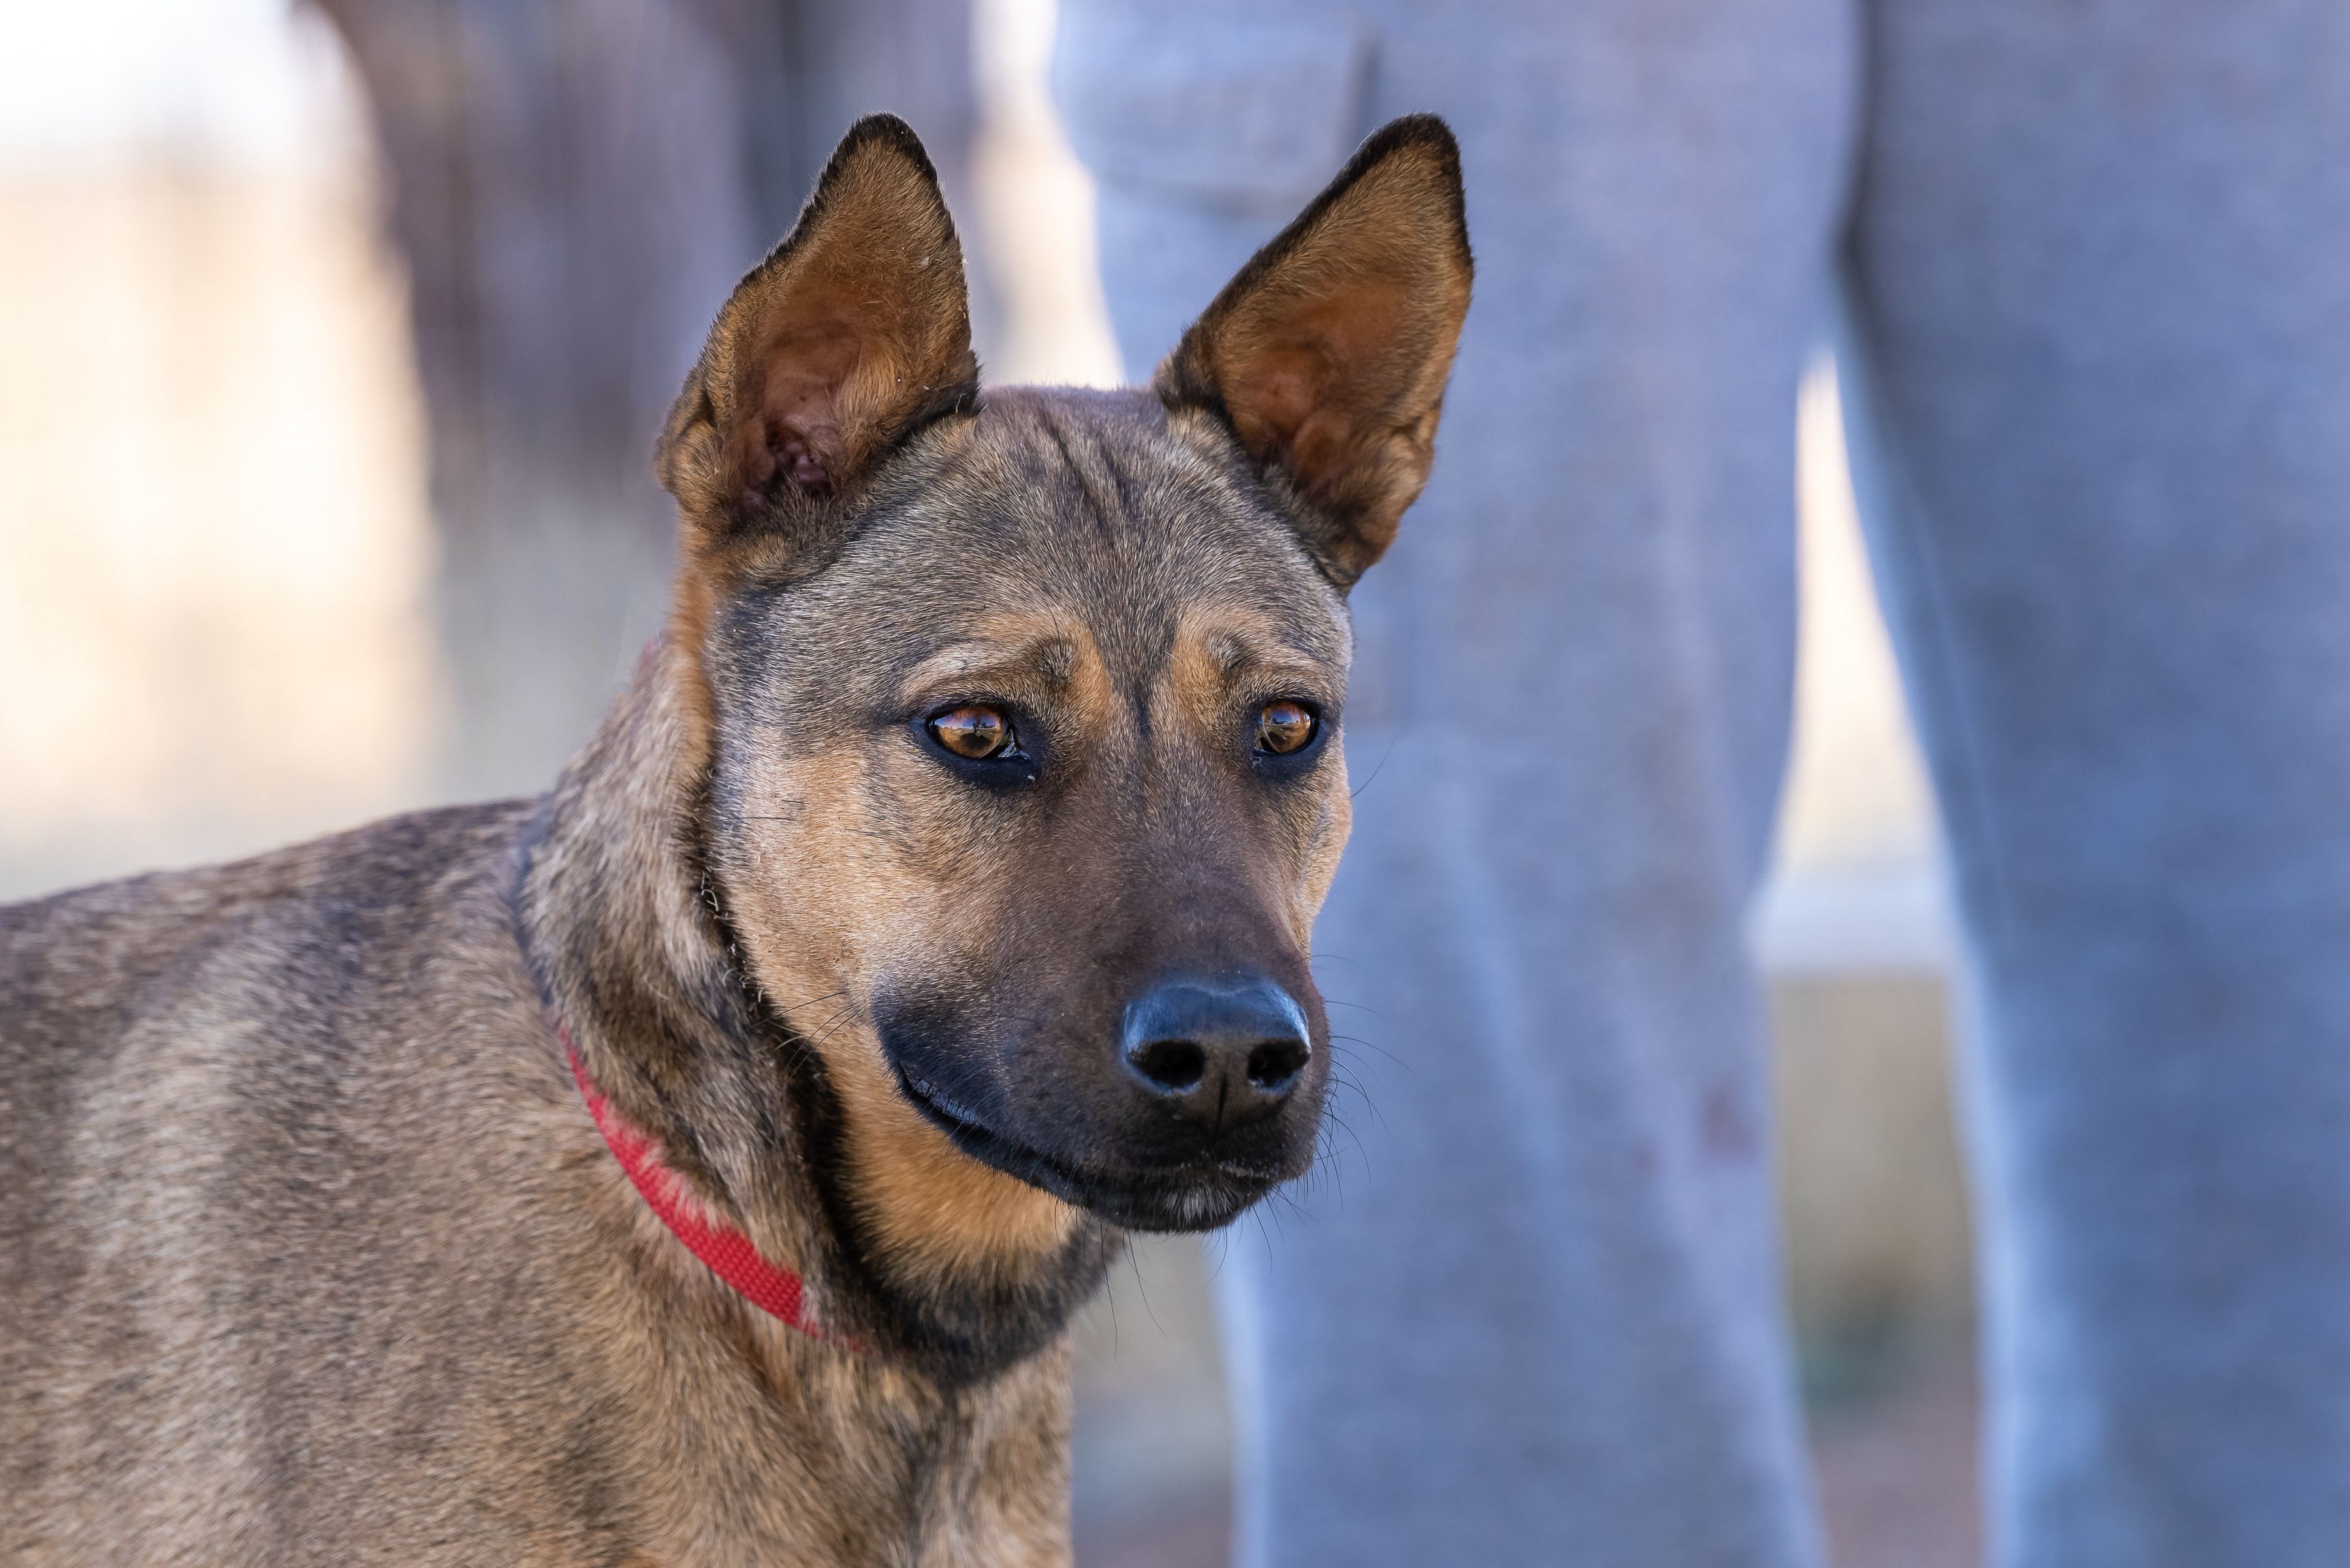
[1021, 712]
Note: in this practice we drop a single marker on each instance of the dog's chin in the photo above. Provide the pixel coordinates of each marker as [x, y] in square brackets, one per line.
[1204, 1195]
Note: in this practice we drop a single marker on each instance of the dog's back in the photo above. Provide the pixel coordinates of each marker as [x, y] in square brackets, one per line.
[238, 1109]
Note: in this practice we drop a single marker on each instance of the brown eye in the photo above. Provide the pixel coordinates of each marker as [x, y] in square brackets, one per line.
[974, 731]
[1283, 727]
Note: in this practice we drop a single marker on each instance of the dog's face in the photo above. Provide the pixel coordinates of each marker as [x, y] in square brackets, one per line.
[1023, 711]
[1039, 781]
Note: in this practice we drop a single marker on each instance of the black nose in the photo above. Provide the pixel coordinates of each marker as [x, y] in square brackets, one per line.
[1221, 1054]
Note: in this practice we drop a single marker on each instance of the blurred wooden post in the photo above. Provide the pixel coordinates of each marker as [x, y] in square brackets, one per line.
[575, 185]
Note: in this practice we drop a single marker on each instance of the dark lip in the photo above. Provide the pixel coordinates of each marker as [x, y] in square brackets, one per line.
[1198, 1195]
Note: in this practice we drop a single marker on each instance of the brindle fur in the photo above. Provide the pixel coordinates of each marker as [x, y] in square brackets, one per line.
[312, 1255]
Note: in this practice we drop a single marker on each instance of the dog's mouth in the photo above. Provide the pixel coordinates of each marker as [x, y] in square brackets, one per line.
[1193, 1195]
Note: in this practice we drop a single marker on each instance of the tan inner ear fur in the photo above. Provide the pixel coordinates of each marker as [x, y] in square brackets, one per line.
[856, 328]
[1330, 350]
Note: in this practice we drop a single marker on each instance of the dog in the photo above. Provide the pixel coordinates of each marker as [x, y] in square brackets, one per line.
[699, 1166]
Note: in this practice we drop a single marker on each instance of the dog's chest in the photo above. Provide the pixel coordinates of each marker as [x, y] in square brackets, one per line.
[846, 1468]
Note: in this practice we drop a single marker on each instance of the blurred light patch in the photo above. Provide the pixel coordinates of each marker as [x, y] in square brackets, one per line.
[214, 82]
[214, 550]
[1858, 884]
[1036, 216]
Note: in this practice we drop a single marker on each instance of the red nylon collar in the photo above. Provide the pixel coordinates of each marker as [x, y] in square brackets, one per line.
[728, 1251]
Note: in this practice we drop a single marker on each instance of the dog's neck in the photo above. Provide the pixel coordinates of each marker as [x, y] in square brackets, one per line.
[629, 936]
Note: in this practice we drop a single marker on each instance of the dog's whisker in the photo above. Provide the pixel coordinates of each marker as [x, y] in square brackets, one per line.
[812, 1001]
[1110, 1300]
[1358, 1040]
[1142, 1289]
[1356, 793]
[1353, 1085]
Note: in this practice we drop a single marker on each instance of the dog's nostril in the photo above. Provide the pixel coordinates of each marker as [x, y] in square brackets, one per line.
[1222, 1052]
[1172, 1064]
[1274, 1063]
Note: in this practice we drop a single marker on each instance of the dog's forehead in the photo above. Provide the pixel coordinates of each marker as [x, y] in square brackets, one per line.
[1066, 473]
[1090, 504]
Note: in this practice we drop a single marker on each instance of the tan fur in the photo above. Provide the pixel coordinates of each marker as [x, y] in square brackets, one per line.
[926, 1198]
[314, 1255]
[1225, 657]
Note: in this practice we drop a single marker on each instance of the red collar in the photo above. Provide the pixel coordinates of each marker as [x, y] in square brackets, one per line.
[728, 1251]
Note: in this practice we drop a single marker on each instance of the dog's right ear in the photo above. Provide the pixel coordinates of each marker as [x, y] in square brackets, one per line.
[853, 333]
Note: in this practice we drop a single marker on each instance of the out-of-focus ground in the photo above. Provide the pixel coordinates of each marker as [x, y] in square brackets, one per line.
[1893, 1444]
[215, 570]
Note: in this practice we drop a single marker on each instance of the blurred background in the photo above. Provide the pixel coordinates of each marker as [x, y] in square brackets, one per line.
[333, 340]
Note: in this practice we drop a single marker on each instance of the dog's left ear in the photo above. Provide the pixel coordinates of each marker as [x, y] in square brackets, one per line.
[1328, 353]
[853, 333]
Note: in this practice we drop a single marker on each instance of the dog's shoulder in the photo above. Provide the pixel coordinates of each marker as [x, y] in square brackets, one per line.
[262, 973]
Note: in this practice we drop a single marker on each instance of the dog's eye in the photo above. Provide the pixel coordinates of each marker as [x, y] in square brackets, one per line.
[973, 731]
[1285, 727]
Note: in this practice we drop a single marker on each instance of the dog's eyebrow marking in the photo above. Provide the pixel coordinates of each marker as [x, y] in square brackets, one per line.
[1051, 656]
[1235, 652]
[1218, 658]
[1310, 674]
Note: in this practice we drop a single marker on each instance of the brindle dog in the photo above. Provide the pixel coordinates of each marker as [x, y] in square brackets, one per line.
[935, 902]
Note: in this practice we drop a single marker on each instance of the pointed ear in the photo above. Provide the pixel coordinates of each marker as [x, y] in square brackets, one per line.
[852, 334]
[1328, 352]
